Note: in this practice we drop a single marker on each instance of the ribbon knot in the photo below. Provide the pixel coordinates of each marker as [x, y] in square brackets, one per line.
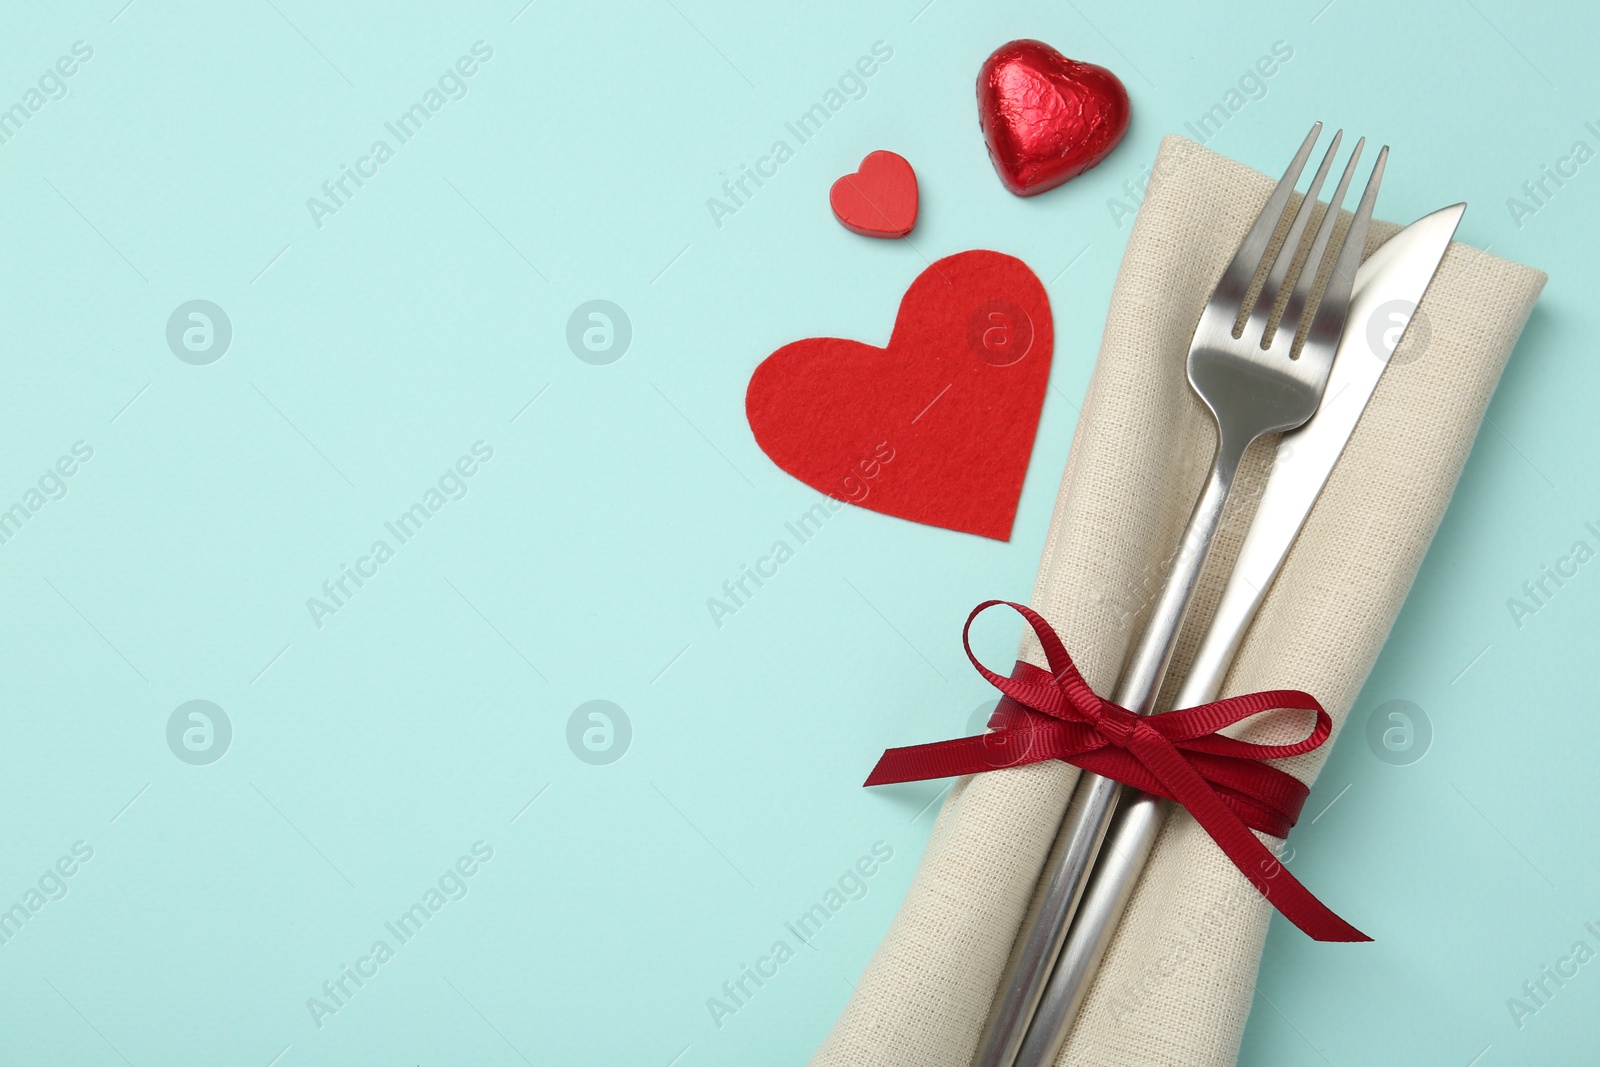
[1116, 723]
[1179, 755]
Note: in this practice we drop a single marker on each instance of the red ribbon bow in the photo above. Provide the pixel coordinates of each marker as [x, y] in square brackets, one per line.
[1178, 755]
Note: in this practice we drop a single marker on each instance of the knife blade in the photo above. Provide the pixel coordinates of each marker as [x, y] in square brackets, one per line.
[1389, 286]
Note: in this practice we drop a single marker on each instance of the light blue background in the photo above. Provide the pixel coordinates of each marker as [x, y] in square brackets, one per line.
[368, 354]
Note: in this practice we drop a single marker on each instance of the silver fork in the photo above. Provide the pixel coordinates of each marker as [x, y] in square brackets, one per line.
[1255, 381]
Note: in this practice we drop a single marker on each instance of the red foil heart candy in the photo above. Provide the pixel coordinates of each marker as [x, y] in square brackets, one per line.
[1045, 117]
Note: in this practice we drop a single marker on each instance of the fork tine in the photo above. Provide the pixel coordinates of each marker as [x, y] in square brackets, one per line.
[1246, 261]
[1261, 313]
[1295, 309]
[1335, 303]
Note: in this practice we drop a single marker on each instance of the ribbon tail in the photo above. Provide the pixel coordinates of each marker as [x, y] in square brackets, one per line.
[965, 755]
[1253, 859]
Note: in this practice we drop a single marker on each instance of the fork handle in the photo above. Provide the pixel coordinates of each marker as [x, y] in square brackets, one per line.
[1132, 836]
[1094, 801]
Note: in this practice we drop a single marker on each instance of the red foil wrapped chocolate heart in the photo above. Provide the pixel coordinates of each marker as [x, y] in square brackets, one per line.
[1045, 117]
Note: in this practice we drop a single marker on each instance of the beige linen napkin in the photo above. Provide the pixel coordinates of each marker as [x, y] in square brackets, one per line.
[1177, 982]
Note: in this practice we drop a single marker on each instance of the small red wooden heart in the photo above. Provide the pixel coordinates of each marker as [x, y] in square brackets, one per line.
[1045, 117]
[936, 428]
[880, 199]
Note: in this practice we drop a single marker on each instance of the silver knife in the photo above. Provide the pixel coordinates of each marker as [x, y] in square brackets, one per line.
[1388, 288]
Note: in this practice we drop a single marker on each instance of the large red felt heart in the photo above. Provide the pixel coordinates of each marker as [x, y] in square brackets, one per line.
[938, 427]
[1047, 118]
[880, 199]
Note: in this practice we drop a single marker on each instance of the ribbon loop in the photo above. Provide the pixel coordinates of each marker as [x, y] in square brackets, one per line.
[1178, 755]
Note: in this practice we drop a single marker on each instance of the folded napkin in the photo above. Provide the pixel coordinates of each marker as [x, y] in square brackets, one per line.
[1177, 982]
